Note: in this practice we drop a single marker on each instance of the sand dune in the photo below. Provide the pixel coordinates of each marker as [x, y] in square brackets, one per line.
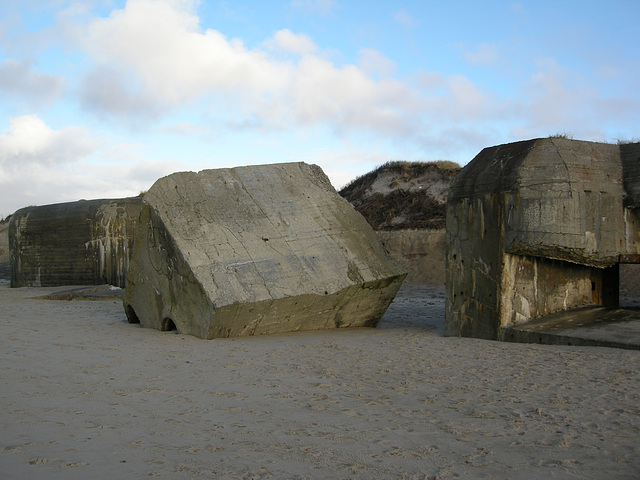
[87, 395]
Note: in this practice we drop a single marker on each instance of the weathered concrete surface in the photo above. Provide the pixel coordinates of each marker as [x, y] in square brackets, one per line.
[563, 198]
[586, 326]
[420, 252]
[77, 243]
[631, 167]
[4, 251]
[534, 228]
[255, 250]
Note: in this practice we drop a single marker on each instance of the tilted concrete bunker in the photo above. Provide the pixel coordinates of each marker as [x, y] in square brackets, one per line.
[538, 227]
[76, 243]
[255, 250]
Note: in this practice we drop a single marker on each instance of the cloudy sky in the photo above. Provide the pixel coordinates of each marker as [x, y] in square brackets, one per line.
[99, 98]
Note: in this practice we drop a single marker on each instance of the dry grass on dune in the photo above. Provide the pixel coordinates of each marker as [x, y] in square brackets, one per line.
[403, 195]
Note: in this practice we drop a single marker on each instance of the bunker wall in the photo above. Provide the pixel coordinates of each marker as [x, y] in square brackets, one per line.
[421, 253]
[76, 243]
[537, 227]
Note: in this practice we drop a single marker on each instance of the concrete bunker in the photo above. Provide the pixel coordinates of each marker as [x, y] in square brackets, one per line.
[539, 227]
[255, 250]
[75, 243]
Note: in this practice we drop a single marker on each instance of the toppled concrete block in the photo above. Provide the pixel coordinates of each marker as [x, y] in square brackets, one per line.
[537, 227]
[76, 243]
[255, 250]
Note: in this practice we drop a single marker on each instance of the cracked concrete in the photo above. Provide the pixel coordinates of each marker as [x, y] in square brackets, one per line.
[538, 227]
[255, 250]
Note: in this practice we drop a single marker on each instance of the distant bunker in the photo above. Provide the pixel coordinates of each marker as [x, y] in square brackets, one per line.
[255, 250]
[539, 227]
[76, 243]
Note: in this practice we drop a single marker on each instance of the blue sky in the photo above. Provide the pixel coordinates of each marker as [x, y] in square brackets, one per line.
[99, 98]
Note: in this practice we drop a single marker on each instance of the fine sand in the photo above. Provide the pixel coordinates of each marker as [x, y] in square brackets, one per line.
[86, 395]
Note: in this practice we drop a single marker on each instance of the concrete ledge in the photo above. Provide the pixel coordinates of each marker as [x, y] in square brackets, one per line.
[585, 326]
[89, 292]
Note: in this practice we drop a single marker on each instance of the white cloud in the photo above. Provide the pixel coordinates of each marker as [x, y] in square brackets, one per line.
[153, 57]
[173, 63]
[455, 97]
[18, 79]
[30, 140]
[374, 63]
[291, 42]
[109, 91]
[551, 97]
[348, 97]
[40, 165]
[145, 173]
[40, 186]
[160, 42]
[458, 141]
[559, 99]
[467, 97]
[188, 129]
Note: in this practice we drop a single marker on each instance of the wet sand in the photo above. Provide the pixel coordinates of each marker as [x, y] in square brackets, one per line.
[87, 395]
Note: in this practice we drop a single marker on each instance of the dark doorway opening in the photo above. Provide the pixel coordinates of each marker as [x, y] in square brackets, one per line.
[167, 325]
[605, 286]
[131, 314]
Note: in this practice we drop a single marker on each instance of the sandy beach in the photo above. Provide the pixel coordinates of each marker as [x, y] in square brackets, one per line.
[87, 395]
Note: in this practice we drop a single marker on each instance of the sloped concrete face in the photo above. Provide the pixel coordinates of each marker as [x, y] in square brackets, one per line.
[76, 243]
[534, 228]
[255, 250]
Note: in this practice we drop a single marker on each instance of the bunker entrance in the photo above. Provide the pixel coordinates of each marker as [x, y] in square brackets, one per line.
[613, 302]
[605, 285]
[618, 285]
